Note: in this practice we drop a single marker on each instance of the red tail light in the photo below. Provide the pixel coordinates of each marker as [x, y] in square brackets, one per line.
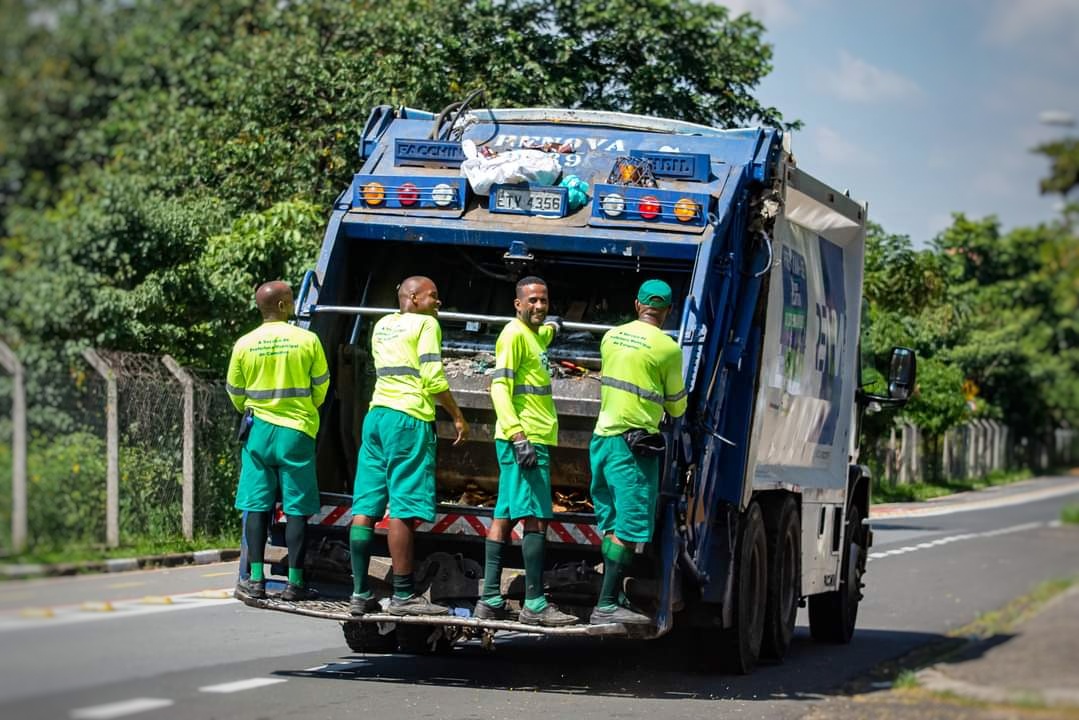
[648, 207]
[408, 194]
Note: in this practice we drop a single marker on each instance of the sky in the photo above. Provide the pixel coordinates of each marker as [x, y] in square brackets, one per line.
[923, 108]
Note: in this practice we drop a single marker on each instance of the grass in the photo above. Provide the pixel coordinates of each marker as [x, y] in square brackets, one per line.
[140, 547]
[998, 622]
[918, 492]
[908, 679]
[1070, 514]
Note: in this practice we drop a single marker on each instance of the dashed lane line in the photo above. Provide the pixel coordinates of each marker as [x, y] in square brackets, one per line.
[241, 685]
[27, 618]
[957, 538]
[119, 709]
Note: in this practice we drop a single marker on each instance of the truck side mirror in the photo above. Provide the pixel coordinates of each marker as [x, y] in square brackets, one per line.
[901, 374]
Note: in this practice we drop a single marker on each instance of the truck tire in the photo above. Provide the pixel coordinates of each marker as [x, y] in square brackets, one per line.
[784, 577]
[832, 615]
[365, 638]
[743, 640]
[417, 639]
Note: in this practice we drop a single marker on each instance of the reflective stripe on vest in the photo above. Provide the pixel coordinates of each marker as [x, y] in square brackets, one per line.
[276, 394]
[531, 389]
[637, 390]
[400, 370]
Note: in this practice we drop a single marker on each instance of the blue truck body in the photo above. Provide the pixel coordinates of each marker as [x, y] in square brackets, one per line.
[767, 280]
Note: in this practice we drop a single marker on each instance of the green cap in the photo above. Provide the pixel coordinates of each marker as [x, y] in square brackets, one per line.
[655, 293]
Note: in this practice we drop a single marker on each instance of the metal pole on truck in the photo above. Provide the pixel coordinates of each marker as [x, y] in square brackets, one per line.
[445, 315]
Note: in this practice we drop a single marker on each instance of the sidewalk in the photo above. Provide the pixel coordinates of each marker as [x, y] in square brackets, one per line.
[1029, 671]
[1038, 665]
[1040, 488]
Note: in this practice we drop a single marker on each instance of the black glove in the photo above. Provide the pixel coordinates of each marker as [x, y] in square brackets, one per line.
[525, 454]
[645, 444]
[555, 322]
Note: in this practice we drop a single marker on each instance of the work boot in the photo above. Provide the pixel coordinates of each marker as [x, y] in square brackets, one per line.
[550, 616]
[294, 593]
[618, 615]
[248, 589]
[359, 605]
[484, 611]
[415, 605]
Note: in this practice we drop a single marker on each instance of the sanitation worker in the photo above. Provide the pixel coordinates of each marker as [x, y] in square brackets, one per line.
[526, 428]
[397, 455]
[642, 378]
[277, 376]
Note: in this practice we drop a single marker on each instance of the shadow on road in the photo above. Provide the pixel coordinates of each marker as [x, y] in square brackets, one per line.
[669, 668]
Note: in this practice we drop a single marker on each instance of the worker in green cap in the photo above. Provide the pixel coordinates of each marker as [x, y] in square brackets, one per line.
[642, 378]
[396, 464]
[526, 428]
[278, 374]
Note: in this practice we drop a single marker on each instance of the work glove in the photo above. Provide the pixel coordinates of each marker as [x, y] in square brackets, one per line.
[525, 454]
[555, 322]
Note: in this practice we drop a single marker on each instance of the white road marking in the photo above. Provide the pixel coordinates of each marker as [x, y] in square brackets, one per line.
[241, 685]
[956, 538]
[119, 709]
[63, 615]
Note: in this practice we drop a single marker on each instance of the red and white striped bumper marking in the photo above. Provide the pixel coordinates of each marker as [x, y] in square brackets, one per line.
[566, 533]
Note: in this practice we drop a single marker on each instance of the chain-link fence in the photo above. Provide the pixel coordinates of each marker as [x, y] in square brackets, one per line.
[67, 456]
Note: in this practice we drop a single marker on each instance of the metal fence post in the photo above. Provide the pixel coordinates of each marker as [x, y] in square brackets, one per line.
[188, 501]
[112, 445]
[14, 367]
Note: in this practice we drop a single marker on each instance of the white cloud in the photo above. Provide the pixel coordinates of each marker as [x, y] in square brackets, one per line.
[1011, 22]
[835, 149]
[770, 12]
[859, 81]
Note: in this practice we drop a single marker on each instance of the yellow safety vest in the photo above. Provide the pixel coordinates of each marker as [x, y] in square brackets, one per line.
[642, 377]
[279, 371]
[407, 349]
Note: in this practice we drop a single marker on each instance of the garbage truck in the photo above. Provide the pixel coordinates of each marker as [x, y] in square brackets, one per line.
[763, 505]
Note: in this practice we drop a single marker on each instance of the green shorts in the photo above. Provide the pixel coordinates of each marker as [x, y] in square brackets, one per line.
[624, 489]
[275, 458]
[523, 493]
[396, 466]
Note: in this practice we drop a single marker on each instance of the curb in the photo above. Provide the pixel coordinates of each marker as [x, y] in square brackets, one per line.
[935, 680]
[951, 506]
[116, 565]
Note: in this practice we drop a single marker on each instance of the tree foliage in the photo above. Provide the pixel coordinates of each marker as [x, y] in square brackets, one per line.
[160, 158]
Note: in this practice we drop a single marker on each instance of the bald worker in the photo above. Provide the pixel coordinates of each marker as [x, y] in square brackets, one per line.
[396, 465]
[278, 372]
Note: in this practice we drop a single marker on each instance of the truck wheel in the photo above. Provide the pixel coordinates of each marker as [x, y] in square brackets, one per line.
[832, 615]
[784, 578]
[743, 640]
[365, 638]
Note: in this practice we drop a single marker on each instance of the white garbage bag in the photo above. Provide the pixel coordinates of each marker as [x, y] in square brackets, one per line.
[514, 166]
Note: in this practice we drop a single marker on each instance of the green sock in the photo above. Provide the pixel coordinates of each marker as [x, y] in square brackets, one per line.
[403, 586]
[257, 572]
[492, 573]
[359, 544]
[295, 576]
[532, 547]
[536, 605]
[615, 559]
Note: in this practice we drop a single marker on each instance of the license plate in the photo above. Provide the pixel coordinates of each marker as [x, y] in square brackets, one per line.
[528, 200]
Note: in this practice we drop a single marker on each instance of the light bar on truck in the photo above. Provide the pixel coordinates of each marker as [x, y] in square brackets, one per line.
[618, 204]
[427, 153]
[404, 193]
[693, 167]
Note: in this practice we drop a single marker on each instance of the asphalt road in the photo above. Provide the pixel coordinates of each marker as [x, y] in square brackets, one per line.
[111, 646]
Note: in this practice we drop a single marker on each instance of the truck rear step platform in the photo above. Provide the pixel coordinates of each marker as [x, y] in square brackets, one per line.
[338, 610]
